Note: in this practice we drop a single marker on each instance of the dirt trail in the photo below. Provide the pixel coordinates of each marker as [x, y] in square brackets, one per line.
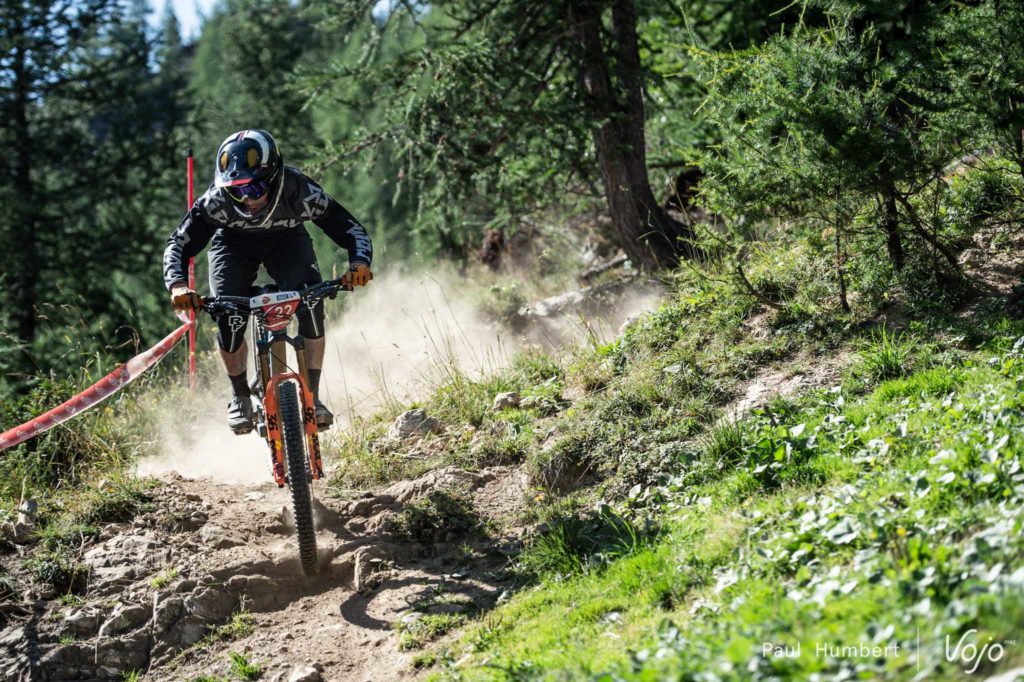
[161, 585]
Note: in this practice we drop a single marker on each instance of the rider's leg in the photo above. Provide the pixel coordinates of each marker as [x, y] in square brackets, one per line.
[235, 361]
[233, 269]
[315, 362]
[292, 264]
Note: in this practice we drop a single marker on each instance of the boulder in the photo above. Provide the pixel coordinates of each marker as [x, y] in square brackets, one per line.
[413, 423]
[82, 622]
[125, 558]
[125, 617]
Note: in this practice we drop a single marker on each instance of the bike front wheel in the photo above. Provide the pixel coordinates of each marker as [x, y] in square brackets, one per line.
[293, 441]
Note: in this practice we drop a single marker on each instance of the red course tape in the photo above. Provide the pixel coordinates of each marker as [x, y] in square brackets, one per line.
[104, 388]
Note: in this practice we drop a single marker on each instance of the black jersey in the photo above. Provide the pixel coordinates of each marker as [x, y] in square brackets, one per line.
[291, 203]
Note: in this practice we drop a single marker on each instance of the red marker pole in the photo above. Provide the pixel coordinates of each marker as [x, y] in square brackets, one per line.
[191, 285]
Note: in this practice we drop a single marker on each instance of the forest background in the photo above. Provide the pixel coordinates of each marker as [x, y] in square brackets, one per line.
[435, 123]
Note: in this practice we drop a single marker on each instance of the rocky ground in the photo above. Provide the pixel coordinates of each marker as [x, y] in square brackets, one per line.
[165, 591]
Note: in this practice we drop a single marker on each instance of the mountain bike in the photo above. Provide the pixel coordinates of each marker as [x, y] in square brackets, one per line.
[284, 413]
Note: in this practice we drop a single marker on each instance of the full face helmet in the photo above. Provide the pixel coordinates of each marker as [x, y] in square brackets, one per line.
[248, 163]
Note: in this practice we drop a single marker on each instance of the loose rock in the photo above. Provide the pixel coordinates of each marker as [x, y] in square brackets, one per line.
[504, 401]
[413, 422]
[219, 538]
[367, 562]
[309, 673]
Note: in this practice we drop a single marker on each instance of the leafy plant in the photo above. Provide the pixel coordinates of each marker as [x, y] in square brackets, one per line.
[62, 570]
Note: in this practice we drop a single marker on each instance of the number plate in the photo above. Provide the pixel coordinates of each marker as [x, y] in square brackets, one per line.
[278, 308]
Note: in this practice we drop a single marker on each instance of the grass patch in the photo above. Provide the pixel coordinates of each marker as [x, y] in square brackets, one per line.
[887, 355]
[241, 625]
[573, 544]
[424, 660]
[426, 628]
[243, 669]
[832, 517]
[160, 581]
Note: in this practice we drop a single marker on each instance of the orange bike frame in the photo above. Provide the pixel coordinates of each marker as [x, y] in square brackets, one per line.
[274, 436]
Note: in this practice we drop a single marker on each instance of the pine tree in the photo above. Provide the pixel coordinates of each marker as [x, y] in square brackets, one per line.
[843, 126]
[85, 151]
[511, 102]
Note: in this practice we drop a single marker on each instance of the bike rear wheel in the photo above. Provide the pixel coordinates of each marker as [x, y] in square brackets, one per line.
[293, 441]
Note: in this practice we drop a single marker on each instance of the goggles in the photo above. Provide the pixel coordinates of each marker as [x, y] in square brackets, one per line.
[253, 190]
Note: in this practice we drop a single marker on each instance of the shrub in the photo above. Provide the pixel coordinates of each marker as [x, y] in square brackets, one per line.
[441, 516]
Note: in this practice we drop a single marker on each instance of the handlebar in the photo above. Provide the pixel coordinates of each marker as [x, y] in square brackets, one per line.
[310, 296]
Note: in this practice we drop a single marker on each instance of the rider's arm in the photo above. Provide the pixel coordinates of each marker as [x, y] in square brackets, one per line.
[331, 217]
[186, 242]
[347, 233]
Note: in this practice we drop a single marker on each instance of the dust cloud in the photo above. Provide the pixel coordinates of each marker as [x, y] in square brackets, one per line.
[402, 335]
[196, 443]
[387, 345]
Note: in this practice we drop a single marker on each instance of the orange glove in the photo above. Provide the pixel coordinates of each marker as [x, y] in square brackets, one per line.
[359, 276]
[183, 298]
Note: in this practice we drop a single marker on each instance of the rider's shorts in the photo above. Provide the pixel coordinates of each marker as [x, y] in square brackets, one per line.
[289, 260]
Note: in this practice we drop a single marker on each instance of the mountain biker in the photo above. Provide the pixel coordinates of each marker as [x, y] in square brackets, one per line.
[255, 212]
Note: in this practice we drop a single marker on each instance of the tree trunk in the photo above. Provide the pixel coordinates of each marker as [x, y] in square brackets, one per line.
[891, 225]
[24, 254]
[642, 228]
[841, 264]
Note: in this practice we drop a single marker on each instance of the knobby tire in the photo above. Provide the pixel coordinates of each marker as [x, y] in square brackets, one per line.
[298, 479]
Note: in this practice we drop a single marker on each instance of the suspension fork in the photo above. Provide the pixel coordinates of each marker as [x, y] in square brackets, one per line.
[272, 357]
[270, 414]
[316, 465]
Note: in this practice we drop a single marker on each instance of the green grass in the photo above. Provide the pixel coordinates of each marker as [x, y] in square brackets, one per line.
[887, 355]
[441, 516]
[240, 625]
[830, 520]
[424, 659]
[165, 577]
[427, 628]
[242, 669]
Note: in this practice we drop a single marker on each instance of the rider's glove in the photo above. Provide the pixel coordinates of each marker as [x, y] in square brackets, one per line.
[359, 276]
[183, 298]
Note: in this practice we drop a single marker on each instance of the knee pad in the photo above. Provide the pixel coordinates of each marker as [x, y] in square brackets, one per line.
[311, 322]
[231, 331]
